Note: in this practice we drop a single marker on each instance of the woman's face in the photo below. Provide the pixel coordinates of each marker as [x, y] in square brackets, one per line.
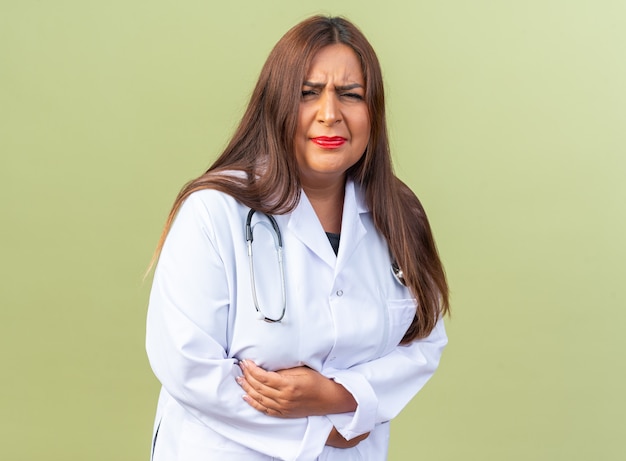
[333, 120]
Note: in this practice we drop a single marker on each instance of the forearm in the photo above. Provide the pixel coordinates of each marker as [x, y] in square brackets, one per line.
[207, 389]
[384, 386]
[186, 342]
[354, 399]
[334, 398]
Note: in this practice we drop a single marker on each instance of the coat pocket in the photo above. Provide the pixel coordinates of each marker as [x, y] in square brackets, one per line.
[400, 313]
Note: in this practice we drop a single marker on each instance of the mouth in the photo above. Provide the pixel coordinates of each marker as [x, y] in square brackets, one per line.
[329, 142]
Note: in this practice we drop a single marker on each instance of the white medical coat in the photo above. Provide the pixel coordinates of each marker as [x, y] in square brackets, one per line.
[345, 317]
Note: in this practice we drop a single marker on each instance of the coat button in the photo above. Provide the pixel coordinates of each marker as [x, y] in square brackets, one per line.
[339, 292]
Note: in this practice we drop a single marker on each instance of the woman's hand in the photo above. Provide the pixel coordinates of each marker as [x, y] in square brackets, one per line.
[335, 439]
[293, 392]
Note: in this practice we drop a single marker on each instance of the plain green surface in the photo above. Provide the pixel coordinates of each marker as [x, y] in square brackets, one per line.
[507, 118]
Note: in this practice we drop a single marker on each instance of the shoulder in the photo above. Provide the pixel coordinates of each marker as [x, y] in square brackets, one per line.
[208, 218]
[211, 198]
[211, 211]
[211, 204]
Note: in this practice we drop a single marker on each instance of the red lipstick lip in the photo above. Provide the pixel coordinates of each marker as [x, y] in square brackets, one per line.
[329, 142]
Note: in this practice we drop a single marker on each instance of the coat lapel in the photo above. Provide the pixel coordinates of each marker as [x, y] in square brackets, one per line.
[352, 228]
[306, 227]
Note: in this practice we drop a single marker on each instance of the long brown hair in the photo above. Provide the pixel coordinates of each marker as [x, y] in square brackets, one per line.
[262, 148]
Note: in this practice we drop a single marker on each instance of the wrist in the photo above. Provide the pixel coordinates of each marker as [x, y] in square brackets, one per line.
[343, 400]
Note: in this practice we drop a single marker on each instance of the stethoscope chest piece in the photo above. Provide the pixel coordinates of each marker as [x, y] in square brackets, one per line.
[397, 273]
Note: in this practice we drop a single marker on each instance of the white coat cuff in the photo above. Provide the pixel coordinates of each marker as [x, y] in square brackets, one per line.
[314, 439]
[362, 420]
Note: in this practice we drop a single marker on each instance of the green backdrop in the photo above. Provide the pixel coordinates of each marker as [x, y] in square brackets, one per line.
[507, 118]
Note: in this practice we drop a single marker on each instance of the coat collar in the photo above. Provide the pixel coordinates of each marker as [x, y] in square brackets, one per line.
[306, 227]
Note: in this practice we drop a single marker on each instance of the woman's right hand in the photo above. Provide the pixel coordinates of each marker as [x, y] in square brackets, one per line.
[293, 392]
[335, 439]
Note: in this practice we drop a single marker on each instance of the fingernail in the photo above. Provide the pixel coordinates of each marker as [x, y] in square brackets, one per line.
[239, 380]
[243, 364]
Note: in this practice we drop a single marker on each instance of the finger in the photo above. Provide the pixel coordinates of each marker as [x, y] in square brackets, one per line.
[254, 403]
[256, 374]
[258, 395]
[272, 391]
[252, 392]
[252, 397]
[263, 382]
[243, 382]
[262, 402]
[261, 408]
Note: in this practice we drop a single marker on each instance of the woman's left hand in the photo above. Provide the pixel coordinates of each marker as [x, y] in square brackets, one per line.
[293, 392]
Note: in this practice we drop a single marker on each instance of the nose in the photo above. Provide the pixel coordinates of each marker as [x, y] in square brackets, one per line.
[328, 112]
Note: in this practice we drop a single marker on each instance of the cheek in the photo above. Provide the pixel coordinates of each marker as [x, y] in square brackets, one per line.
[305, 116]
[364, 125]
[364, 130]
[301, 134]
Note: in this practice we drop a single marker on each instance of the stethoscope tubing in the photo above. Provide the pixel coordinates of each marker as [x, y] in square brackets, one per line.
[278, 242]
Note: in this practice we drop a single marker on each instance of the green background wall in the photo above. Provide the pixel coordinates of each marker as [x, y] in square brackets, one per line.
[507, 118]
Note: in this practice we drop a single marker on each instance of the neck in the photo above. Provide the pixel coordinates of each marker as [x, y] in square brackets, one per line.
[327, 201]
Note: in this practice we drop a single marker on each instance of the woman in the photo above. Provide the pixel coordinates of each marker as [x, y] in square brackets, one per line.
[312, 357]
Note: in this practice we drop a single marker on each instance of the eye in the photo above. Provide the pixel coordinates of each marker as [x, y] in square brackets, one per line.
[354, 96]
[307, 94]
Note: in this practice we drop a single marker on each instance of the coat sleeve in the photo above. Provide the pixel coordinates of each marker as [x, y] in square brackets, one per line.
[186, 342]
[384, 386]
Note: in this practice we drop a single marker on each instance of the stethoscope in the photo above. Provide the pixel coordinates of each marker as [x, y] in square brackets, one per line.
[278, 245]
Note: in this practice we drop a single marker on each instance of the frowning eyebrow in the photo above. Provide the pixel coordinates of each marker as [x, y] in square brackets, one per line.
[316, 85]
